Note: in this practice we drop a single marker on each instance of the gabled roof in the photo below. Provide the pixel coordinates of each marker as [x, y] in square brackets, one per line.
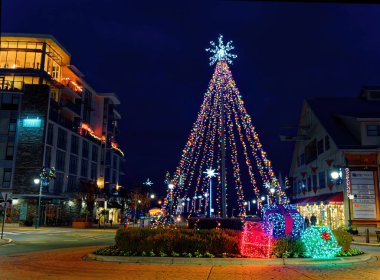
[330, 111]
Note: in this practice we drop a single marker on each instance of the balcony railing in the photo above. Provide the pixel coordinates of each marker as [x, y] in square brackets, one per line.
[72, 106]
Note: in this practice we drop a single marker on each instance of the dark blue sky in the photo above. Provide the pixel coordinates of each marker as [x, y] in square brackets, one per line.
[152, 55]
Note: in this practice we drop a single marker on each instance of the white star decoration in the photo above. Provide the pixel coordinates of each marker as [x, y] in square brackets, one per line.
[221, 52]
[148, 183]
[210, 173]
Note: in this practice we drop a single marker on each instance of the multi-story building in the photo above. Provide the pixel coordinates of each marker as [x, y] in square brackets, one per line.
[51, 117]
[341, 136]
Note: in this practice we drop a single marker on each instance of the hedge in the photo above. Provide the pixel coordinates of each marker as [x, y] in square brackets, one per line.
[143, 240]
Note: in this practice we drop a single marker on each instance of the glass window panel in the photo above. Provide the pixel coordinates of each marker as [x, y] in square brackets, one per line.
[3, 59]
[29, 60]
[11, 59]
[21, 45]
[12, 44]
[37, 63]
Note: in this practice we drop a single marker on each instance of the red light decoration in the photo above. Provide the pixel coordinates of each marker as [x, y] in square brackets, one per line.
[255, 242]
[326, 236]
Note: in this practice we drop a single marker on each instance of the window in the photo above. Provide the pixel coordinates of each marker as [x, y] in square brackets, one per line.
[12, 125]
[74, 144]
[320, 147]
[73, 166]
[48, 156]
[85, 149]
[94, 171]
[72, 184]
[94, 153]
[62, 139]
[60, 161]
[311, 151]
[50, 134]
[322, 180]
[327, 142]
[7, 177]
[315, 184]
[373, 130]
[114, 161]
[10, 151]
[309, 184]
[84, 168]
[114, 177]
[58, 182]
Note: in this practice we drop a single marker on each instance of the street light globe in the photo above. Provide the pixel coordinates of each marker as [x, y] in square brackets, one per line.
[138, 201]
[245, 202]
[263, 198]
[183, 203]
[171, 186]
[254, 201]
[152, 196]
[36, 181]
[334, 174]
[272, 190]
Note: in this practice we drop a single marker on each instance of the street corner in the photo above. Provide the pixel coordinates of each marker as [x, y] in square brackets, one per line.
[5, 241]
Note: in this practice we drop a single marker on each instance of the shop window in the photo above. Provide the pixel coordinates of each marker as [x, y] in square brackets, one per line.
[320, 147]
[373, 130]
[322, 179]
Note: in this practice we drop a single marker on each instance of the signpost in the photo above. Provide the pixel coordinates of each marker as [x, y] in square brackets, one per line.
[363, 189]
[6, 196]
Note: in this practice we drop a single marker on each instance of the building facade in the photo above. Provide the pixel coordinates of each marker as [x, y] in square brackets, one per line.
[51, 117]
[341, 136]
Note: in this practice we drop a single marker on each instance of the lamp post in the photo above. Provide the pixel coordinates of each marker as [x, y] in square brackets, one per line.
[38, 181]
[195, 203]
[187, 204]
[210, 174]
[254, 201]
[272, 190]
[171, 187]
[138, 202]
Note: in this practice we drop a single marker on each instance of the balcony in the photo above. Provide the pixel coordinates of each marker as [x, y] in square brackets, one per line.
[72, 87]
[74, 108]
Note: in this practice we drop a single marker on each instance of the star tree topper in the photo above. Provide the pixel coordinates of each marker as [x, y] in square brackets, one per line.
[210, 173]
[148, 183]
[221, 52]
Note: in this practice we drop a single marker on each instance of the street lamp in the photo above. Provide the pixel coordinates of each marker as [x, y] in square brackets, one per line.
[171, 187]
[38, 181]
[210, 173]
[152, 196]
[138, 202]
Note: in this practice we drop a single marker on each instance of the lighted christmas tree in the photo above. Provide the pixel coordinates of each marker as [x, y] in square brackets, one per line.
[223, 138]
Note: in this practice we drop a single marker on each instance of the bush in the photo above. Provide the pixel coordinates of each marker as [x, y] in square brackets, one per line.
[180, 241]
[349, 253]
[288, 247]
[212, 223]
[343, 238]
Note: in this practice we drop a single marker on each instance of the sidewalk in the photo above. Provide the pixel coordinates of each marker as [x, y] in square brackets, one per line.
[361, 240]
[5, 241]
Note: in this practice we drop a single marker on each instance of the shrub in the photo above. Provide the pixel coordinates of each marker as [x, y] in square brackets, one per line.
[288, 247]
[212, 223]
[349, 253]
[181, 241]
[343, 238]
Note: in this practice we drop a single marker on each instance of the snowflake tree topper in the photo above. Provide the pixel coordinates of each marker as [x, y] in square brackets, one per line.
[221, 52]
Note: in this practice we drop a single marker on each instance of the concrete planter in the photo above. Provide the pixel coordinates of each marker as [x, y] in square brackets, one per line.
[79, 224]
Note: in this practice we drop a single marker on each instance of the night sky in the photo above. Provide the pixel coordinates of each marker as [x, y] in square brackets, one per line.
[152, 55]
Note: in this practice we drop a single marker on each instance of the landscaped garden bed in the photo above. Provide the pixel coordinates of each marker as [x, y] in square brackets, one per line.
[176, 242]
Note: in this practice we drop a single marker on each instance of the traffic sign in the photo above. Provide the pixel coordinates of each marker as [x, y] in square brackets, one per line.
[6, 195]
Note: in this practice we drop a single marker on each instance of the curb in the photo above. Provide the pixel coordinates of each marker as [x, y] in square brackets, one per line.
[9, 241]
[366, 244]
[226, 261]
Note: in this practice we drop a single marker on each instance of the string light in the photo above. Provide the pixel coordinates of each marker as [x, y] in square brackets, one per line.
[320, 242]
[255, 242]
[203, 147]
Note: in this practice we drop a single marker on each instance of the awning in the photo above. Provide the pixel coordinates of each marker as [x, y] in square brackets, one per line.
[328, 197]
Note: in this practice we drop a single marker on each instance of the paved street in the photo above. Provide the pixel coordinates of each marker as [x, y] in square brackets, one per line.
[29, 240]
[69, 264]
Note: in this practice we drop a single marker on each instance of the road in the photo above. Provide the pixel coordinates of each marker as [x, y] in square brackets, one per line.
[32, 240]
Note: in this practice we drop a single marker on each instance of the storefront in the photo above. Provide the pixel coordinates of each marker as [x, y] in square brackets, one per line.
[328, 209]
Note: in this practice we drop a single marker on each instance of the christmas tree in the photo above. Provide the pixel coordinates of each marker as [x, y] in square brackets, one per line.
[223, 138]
